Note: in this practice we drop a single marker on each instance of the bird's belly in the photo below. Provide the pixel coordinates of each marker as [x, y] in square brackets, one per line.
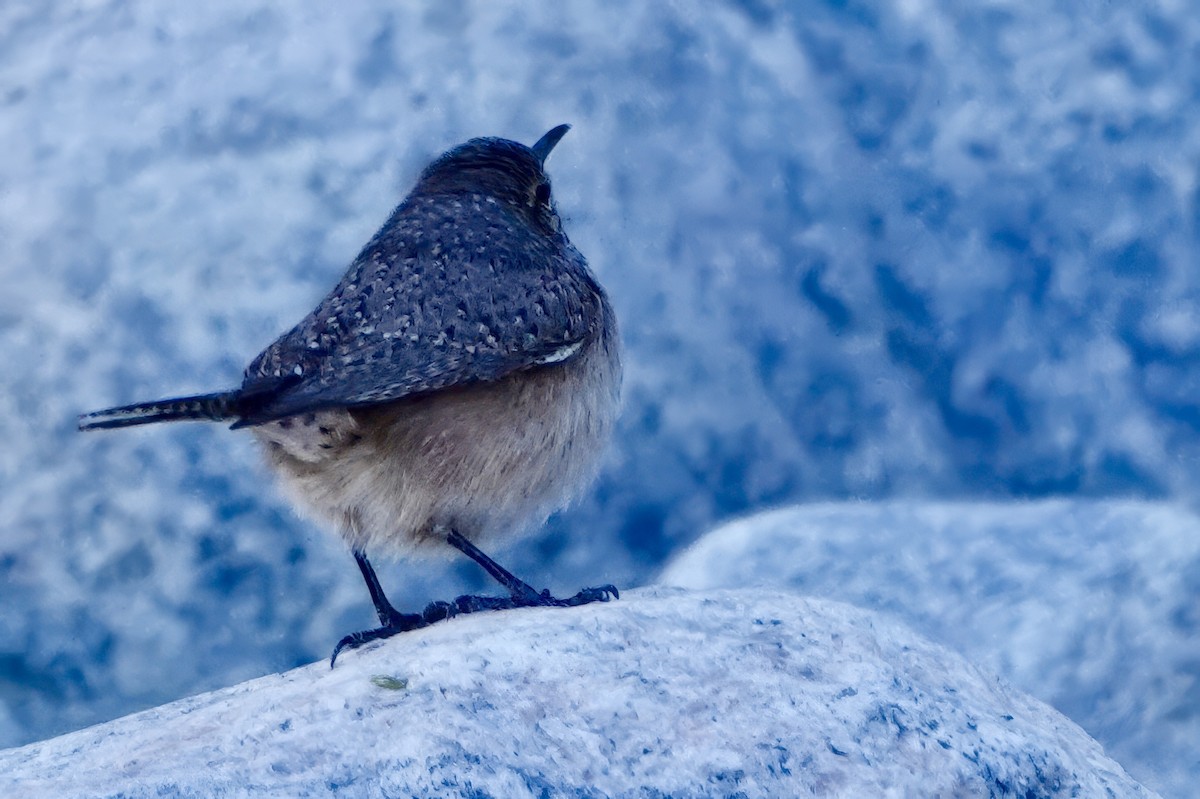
[488, 460]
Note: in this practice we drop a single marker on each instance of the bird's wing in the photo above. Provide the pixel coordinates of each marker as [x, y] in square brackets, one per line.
[412, 317]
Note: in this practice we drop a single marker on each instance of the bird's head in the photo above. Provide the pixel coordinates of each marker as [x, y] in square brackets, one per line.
[506, 170]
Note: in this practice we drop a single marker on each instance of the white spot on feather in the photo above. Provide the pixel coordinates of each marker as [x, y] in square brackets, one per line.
[560, 355]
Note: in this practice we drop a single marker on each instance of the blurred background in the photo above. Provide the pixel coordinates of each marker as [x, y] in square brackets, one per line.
[931, 249]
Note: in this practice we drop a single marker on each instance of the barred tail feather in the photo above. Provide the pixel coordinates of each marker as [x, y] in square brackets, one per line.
[211, 407]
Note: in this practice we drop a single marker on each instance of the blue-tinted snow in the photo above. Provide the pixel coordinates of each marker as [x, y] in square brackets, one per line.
[1089, 606]
[663, 694]
[871, 250]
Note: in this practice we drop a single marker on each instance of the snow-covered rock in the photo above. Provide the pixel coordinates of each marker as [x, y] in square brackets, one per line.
[1090, 606]
[663, 693]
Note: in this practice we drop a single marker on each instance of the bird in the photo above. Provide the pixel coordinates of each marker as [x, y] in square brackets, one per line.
[455, 387]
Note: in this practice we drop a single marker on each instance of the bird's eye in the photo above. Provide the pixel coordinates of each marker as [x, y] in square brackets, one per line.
[542, 195]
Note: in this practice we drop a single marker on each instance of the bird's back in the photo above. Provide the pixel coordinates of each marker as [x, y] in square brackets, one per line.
[451, 291]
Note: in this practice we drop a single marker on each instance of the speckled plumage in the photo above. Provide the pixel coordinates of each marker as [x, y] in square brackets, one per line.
[467, 281]
[460, 379]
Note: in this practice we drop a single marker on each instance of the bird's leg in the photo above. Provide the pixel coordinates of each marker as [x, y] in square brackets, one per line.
[521, 594]
[391, 620]
[388, 615]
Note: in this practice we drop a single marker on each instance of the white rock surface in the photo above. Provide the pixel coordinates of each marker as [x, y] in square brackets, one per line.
[664, 693]
[1090, 606]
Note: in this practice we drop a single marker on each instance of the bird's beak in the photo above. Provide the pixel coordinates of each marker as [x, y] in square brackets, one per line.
[546, 143]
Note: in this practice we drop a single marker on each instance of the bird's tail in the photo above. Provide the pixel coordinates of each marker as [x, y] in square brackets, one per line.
[211, 407]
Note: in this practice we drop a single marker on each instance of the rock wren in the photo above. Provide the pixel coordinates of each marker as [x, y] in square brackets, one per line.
[454, 388]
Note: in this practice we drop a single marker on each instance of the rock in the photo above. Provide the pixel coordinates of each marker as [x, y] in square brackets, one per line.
[662, 693]
[1089, 606]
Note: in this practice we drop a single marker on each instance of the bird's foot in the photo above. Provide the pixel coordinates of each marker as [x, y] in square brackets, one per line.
[523, 597]
[526, 597]
[394, 624]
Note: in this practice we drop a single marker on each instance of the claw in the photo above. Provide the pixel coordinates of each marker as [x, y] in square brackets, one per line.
[398, 623]
[355, 640]
[584, 597]
[604, 591]
[598, 594]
